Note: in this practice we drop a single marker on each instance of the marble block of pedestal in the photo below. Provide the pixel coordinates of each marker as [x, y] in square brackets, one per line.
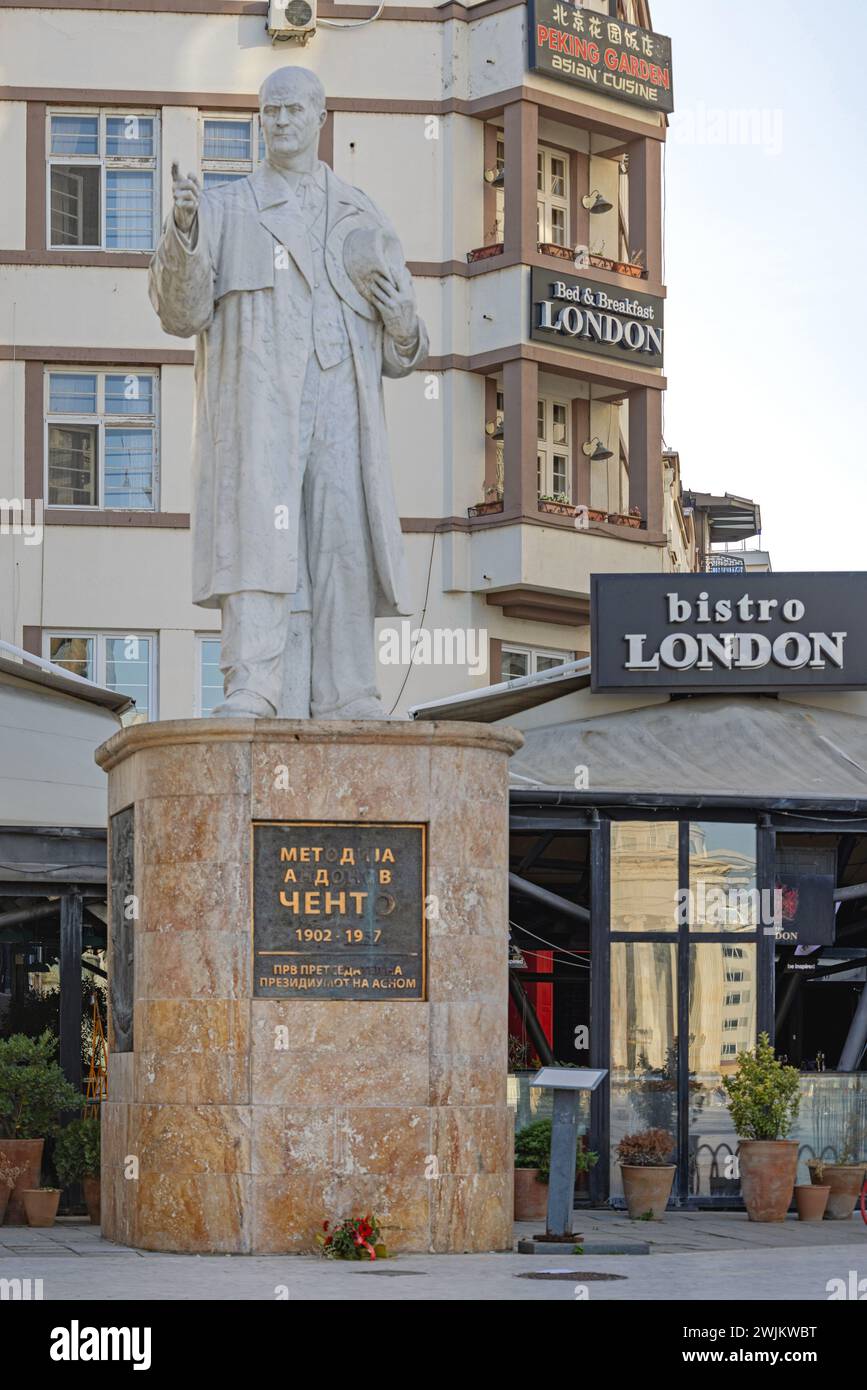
[237, 1123]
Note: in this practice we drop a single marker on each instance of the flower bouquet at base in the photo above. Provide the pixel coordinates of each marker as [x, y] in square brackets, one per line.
[354, 1238]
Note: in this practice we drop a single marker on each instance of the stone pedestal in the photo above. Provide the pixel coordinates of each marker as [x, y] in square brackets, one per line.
[237, 1123]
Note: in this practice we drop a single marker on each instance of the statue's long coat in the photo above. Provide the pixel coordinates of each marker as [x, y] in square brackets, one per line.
[243, 283]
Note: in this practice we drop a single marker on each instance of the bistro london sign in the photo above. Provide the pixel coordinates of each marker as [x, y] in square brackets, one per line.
[713, 632]
[338, 911]
[572, 312]
[603, 55]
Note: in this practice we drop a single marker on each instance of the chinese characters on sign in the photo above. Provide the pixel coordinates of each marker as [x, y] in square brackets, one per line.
[605, 55]
[338, 911]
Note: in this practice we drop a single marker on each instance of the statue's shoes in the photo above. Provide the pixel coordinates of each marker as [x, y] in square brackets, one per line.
[366, 707]
[244, 704]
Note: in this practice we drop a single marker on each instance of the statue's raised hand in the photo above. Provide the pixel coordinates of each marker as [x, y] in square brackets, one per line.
[186, 193]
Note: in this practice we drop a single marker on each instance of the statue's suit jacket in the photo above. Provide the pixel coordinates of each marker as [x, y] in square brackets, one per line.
[250, 304]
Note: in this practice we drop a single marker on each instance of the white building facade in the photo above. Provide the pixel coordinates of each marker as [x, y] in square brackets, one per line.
[521, 465]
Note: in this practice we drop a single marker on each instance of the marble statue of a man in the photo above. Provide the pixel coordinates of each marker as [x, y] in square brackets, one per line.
[298, 292]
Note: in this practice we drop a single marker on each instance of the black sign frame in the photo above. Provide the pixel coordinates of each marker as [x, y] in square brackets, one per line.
[633, 605]
[590, 307]
[327, 955]
[543, 60]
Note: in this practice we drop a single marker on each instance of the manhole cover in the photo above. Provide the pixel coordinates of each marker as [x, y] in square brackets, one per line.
[580, 1276]
[390, 1273]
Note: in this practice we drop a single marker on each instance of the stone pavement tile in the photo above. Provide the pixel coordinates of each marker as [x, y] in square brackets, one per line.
[717, 1276]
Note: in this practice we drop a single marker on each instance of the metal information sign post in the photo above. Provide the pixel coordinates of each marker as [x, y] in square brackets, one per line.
[567, 1083]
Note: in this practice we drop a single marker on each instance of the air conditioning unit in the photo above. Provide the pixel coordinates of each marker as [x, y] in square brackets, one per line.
[291, 20]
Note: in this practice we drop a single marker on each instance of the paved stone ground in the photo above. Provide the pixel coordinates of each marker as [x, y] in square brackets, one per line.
[695, 1256]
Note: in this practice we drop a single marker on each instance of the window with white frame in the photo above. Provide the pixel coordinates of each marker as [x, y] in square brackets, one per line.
[101, 438]
[529, 661]
[102, 179]
[209, 682]
[553, 449]
[125, 662]
[552, 196]
[499, 192]
[232, 146]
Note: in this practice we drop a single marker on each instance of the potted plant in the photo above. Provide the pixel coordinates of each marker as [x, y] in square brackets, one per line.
[34, 1094]
[845, 1178]
[811, 1200]
[557, 503]
[645, 1163]
[9, 1175]
[764, 1099]
[40, 1204]
[493, 502]
[533, 1169]
[76, 1158]
[632, 518]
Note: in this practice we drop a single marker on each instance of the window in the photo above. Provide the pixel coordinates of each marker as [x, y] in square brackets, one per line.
[500, 197]
[102, 173]
[529, 661]
[552, 196]
[101, 433]
[553, 450]
[122, 662]
[231, 148]
[210, 679]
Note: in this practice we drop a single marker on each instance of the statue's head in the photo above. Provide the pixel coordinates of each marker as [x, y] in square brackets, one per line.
[292, 112]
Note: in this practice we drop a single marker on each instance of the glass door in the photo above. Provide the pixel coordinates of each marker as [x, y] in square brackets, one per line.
[690, 934]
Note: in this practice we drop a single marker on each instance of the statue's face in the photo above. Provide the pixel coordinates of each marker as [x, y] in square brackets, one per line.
[291, 117]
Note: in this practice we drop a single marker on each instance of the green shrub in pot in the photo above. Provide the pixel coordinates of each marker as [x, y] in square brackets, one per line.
[764, 1098]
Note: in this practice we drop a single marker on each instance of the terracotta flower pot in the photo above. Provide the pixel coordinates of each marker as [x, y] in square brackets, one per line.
[647, 1189]
[845, 1181]
[768, 1169]
[531, 1196]
[91, 1189]
[811, 1201]
[26, 1154]
[40, 1204]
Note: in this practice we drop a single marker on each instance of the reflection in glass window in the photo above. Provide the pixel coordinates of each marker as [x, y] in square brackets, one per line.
[722, 1023]
[127, 670]
[644, 876]
[210, 675]
[74, 654]
[643, 1041]
[125, 663]
[722, 876]
[103, 184]
[108, 455]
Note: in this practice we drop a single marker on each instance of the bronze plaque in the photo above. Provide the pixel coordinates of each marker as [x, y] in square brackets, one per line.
[338, 910]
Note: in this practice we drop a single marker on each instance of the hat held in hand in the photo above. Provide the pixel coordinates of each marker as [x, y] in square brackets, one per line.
[368, 251]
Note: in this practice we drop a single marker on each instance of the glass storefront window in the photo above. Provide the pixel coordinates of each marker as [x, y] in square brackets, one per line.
[723, 985]
[643, 1066]
[644, 876]
[722, 877]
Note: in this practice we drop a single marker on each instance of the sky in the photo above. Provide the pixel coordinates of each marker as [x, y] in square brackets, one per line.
[766, 266]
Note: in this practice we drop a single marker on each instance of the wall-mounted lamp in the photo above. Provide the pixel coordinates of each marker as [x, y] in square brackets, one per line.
[495, 177]
[596, 451]
[594, 202]
[494, 429]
